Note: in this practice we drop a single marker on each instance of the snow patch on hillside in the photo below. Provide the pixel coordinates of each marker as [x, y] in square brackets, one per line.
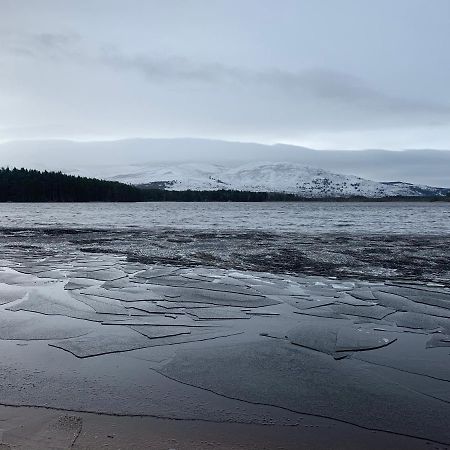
[285, 177]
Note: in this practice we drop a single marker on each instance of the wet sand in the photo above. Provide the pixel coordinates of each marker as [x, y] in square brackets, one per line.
[43, 429]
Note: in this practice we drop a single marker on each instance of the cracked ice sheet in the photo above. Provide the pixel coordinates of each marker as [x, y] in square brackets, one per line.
[103, 341]
[218, 313]
[353, 301]
[56, 301]
[183, 335]
[101, 305]
[312, 383]
[310, 302]
[31, 269]
[219, 298]
[111, 274]
[117, 384]
[419, 321]
[435, 389]
[439, 340]
[319, 335]
[10, 293]
[11, 277]
[280, 288]
[158, 271]
[27, 326]
[322, 291]
[427, 297]
[207, 286]
[112, 339]
[363, 294]
[168, 305]
[153, 332]
[52, 274]
[121, 283]
[79, 283]
[409, 354]
[125, 294]
[227, 280]
[328, 336]
[149, 307]
[401, 303]
[353, 339]
[340, 310]
[156, 320]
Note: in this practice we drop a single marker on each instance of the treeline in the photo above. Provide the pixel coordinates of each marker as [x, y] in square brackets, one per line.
[161, 195]
[25, 185]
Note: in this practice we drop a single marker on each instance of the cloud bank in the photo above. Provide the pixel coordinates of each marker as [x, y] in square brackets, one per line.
[189, 69]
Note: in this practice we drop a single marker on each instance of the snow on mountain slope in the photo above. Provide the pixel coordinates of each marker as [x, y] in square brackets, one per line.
[430, 167]
[285, 177]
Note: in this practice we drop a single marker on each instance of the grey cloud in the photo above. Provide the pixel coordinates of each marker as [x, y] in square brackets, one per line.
[170, 69]
[56, 40]
[332, 85]
[311, 73]
[328, 87]
[56, 46]
[325, 85]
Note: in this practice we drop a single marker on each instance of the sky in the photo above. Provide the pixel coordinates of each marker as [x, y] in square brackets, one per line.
[328, 74]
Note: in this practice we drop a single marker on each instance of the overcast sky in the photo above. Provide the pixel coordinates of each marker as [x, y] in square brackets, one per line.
[319, 73]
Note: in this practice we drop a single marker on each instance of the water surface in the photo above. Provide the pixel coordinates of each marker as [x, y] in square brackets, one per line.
[310, 217]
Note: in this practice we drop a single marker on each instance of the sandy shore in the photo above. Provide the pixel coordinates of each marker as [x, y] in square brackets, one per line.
[45, 429]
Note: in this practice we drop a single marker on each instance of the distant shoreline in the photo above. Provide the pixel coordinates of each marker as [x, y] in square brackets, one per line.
[159, 195]
[300, 200]
[33, 186]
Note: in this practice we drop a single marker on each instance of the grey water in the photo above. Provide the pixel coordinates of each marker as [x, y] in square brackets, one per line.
[428, 218]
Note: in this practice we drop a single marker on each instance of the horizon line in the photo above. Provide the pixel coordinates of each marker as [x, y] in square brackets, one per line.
[230, 141]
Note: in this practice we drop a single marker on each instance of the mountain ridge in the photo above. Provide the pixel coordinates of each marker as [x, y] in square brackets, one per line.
[281, 177]
[424, 167]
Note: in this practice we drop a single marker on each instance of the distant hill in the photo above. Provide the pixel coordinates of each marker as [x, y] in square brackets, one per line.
[25, 185]
[281, 177]
[102, 159]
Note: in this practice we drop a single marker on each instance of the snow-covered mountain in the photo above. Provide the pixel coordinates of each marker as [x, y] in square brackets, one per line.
[431, 167]
[202, 164]
[261, 177]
